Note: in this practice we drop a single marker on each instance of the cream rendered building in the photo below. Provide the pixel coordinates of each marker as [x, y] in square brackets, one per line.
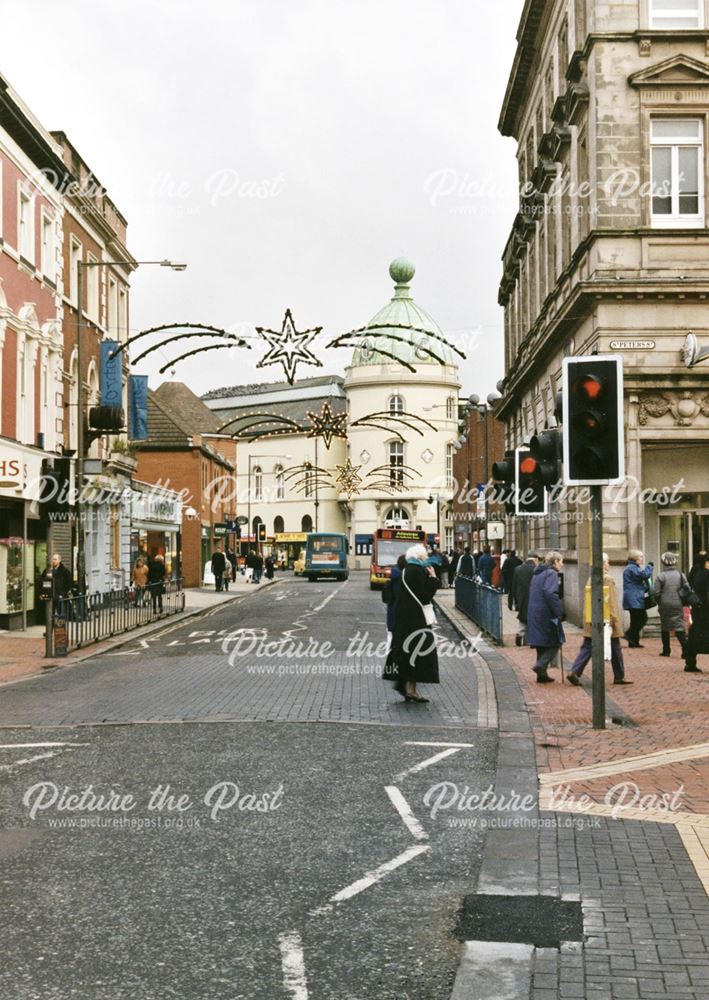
[403, 457]
[608, 103]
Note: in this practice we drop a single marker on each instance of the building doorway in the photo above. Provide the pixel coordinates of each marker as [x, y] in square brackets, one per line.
[684, 532]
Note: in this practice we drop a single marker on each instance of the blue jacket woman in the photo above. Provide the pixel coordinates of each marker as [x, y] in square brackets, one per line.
[634, 591]
[544, 614]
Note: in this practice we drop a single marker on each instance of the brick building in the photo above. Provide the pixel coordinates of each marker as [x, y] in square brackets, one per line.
[472, 468]
[31, 212]
[95, 232]
[185, 453]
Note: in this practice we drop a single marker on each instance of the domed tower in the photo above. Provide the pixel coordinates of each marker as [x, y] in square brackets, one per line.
[406, 370]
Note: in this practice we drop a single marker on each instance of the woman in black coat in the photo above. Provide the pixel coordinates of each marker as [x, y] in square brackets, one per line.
[698, 641]
[414, 645]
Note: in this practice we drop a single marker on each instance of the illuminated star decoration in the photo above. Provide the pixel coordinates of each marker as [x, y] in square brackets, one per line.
[289, 346]
[327, 424]
[348, 478]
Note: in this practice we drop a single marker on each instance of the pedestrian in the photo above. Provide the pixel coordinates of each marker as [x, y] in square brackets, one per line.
[519, 594]
[414, 644]
[698, 640]
[226, 578]
[545, 612]
[453, 569]
[61, 585]
[698, 564]
[507, 570]
[669, 603]
[258, 567]
[616, 624]
[218, 567]
[634, 595]
[486, 564]
[269, 566]
[156, 581]
[445, 570]
[140, 580]
[231, 556]
[466, 564]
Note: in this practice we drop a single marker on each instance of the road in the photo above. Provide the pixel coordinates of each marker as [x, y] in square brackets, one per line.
[204, 816]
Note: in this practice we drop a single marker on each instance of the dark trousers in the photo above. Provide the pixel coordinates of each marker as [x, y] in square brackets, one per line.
[584, 655]
[218, 581]
[545, 656]
[696, 643]
[681, 638]
[156, 590]
[638, 621]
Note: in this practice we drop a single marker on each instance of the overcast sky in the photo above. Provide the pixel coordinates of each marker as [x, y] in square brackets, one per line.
[287, 150]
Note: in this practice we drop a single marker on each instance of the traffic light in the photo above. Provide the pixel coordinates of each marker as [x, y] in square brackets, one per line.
[504, 472]
[530, 498]
[546, 450]
[261, 532]
[593, 434]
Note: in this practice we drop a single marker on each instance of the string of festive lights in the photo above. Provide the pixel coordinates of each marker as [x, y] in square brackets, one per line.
[289, 347]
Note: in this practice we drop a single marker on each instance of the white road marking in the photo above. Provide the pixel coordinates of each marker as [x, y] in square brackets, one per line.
[421, 743]
[127, 652]
[30, 760]
[427, 763]
[371, 878]
[329, 597]
[643, 763]
[34, 746]
[293, 963]
[404, 810]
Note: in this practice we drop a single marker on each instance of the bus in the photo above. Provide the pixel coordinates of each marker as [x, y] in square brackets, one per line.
[388, 544]
[326, 555]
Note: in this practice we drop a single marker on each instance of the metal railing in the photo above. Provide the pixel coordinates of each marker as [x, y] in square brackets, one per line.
[83, 619]
[482, 604]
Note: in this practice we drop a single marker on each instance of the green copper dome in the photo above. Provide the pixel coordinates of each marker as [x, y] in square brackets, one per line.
[404, 344]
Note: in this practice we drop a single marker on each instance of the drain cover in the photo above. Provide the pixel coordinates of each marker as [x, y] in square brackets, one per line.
[543, 921]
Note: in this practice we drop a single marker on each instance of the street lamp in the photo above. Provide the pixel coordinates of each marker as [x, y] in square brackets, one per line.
[248, 491]
[81, 399]
[437, 498]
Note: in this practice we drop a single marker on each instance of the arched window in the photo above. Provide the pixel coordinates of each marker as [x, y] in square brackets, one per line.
[258, 483]
[255, 523]
[450, 452]
[280, 484]
[397, 514]
[306, 523]
[278, 527]
[308, 488]
[396, 404]
[396, 463]
[450, 408]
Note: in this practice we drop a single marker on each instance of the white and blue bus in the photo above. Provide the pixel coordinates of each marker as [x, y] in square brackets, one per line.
[326, 555]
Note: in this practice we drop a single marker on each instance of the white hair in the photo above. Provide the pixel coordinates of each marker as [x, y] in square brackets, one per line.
[417, 551]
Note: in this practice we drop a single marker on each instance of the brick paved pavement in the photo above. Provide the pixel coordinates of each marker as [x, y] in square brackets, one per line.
[645, 908]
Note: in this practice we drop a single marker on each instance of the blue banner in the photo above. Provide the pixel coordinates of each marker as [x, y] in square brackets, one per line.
[138, 407]
[111, 375]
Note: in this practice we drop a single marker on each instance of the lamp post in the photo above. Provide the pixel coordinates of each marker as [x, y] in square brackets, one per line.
[483, 409]
[437, 498]
[248, 492]
[80, 396]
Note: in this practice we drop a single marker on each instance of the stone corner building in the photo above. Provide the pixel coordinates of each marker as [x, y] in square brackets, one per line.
[609, 252]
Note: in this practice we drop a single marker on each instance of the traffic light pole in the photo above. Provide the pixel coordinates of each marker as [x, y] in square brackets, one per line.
[598, 676]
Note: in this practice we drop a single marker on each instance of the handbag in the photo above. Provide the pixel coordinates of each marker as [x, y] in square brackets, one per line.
[687, 596]
[429, 614]
[650, 601]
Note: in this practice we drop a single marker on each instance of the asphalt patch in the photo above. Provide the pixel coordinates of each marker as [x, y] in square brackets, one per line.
[542, 921]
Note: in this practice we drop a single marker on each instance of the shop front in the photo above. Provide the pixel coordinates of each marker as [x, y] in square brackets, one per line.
[23, 536]
[286, 547]
[156, 521]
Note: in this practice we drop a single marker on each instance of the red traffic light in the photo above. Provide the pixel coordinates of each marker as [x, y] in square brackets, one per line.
[589, 386]
[528, 466]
